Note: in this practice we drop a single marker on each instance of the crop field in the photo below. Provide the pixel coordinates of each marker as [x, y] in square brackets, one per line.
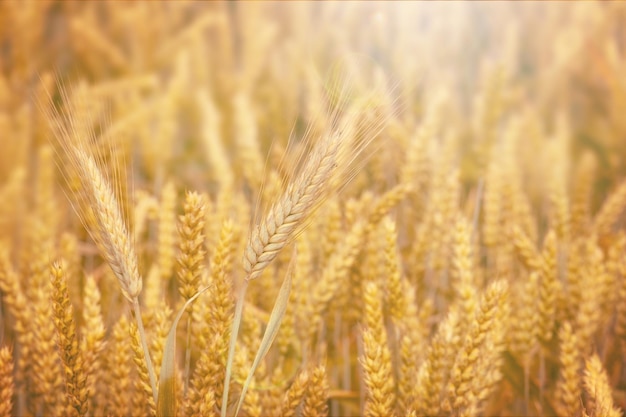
[312, 208]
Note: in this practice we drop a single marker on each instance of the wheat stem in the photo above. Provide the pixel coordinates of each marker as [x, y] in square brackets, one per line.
[232, 344]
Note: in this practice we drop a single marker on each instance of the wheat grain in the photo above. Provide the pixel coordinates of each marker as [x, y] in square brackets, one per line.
[293, 208]
[167, 230]
[316, 394]
[112, 234]
[47, 370]
[548, 289]
[143, 402]
[119, 369]
[597, 387]
[191, 258]
[462, 272]
[396, 299]
[6, 382]
[22, 313]
[93, 341]
[75, 377]
[594, 287]
[294, 395]
[525, 325]
[414, 330]
[376, 360]
[433, 372]
[462, 387]
[210, 368]
[568, 388]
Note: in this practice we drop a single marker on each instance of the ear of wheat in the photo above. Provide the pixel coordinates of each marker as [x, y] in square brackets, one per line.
[75, 139]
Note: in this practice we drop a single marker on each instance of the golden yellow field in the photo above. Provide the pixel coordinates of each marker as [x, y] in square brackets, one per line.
[380, 209]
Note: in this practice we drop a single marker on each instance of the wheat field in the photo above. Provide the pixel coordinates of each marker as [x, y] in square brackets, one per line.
[312, 208]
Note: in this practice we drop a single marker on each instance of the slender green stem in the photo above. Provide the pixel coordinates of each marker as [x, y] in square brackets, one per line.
[144, 344]
[231, 347]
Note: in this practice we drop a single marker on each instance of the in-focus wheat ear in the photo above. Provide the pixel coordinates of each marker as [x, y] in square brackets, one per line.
[292, 209]
[77, 142]
[113, 236]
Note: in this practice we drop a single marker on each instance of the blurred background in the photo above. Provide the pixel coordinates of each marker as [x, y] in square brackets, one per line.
[491, 59]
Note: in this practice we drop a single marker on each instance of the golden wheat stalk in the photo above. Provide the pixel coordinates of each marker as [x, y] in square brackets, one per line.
[75, 377]
[463, 387]
[21, 309]
[376, 359]
[119, 369]
[433, 372]
[598, 389]
[112, 233]
[568, 385]
[143, 390]
[294, 395]
[190, 261]
[316, 394]
[93, 338]
[6, 382]
[74, 136]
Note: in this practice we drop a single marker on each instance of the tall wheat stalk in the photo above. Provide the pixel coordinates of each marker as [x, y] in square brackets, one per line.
[75, 138]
